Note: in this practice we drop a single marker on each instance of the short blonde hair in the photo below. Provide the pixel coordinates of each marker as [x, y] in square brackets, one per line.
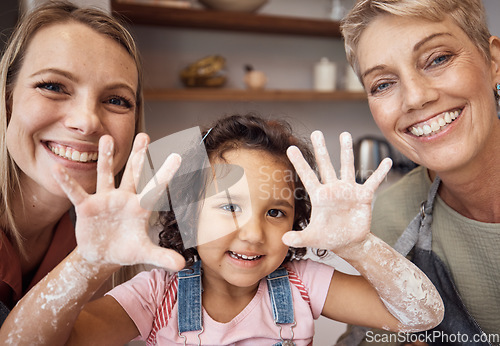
[469, 15]
[12, 60]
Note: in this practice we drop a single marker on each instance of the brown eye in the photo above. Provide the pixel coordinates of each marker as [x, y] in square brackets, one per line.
[275, 213]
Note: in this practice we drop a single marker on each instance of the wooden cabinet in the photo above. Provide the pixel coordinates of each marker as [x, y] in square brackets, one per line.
[150, 14]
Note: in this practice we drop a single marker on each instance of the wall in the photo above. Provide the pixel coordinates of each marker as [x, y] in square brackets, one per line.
[8, 17]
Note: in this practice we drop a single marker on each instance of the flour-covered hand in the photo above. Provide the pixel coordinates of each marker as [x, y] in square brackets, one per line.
[341, 208]
[112, 226]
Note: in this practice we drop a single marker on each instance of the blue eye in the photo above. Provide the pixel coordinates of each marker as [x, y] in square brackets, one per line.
[275, 213]
[50, 86]
[120, 102]
[440, 59]
[380, 87]
[232, 208]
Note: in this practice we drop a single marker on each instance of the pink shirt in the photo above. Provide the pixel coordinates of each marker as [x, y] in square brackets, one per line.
[141, 297]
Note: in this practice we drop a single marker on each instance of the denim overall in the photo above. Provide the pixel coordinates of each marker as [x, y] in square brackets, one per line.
[190, 307]
[457, 320]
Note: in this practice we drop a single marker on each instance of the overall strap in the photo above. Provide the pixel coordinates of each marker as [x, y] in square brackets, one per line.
[281, 298]
[189, 299]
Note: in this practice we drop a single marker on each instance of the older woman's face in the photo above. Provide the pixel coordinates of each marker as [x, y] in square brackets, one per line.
[429, 89]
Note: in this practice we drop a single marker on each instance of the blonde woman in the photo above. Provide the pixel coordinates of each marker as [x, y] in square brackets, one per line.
[431, 70]
[69, 76]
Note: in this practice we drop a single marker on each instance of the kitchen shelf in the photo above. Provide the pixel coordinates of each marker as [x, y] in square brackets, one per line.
[151, 14]
[206, 94]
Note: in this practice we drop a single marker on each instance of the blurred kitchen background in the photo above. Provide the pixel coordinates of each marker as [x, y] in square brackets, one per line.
[288, 62]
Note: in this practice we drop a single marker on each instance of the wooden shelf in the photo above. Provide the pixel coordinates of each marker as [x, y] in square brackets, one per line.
[150, 14]
[202, 94]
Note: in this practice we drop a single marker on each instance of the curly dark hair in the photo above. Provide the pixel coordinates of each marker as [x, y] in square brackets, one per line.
[248, 131]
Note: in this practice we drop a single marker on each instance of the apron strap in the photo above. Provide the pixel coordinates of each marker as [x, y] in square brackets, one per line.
[419, 231]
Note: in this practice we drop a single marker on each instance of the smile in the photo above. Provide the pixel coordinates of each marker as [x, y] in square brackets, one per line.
[73, 155]
[435, 125]
[243, 257]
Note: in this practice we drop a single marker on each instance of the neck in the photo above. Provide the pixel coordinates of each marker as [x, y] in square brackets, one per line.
[474, 190]
[36, 212]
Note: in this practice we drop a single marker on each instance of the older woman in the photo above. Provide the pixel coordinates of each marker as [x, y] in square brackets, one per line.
[431, 70]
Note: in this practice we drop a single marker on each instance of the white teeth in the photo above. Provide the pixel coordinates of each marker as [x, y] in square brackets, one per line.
[243, 257]
[74, 155]
[435, 125]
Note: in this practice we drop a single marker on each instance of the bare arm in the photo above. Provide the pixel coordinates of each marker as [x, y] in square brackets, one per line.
[111, 231]
[392, 292]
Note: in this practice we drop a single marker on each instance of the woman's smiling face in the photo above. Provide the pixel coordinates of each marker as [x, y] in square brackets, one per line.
[74, 86]
[429, 89]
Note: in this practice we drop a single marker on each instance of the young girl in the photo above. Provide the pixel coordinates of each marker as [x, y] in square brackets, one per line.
[245, 284]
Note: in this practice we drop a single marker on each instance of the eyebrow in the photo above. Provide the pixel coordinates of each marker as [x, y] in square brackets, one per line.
[56, 71]
[415, 48]
[283, 203]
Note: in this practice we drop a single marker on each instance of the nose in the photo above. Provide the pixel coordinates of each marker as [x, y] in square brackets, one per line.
[84, 117]
[418, 91]
[252, 231]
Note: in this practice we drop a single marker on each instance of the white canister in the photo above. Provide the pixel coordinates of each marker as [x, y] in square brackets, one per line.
[352, 82]
[325, 75]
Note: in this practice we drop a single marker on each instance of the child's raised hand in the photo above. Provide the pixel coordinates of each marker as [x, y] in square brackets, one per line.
[341, 208]
[112, 227]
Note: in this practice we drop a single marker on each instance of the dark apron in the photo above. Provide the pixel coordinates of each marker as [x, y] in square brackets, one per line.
[458, 326]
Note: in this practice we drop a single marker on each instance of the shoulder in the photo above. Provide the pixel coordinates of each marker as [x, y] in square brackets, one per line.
[141, 297]
[145, 286]
[396, 206]
[308, 268]
[312, 280]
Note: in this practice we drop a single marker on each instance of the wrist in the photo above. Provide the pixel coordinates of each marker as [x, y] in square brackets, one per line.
[355, 252]
[91, 270]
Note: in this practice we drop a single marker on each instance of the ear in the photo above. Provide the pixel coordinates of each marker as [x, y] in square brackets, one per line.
[495, 58]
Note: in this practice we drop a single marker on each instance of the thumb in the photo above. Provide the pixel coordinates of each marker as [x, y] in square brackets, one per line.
[293, 238]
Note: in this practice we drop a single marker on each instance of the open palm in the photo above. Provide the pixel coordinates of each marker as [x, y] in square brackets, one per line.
[112, 226]
[341, 208]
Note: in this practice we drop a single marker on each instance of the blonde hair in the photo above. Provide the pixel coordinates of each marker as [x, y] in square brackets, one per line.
[469, 15]
[50, 13]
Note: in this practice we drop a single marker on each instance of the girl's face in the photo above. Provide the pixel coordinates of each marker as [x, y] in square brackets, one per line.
[74, 86]
[239, 232]
[429, 89]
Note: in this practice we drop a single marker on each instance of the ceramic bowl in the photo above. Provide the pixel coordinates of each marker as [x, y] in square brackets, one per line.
[234, 5]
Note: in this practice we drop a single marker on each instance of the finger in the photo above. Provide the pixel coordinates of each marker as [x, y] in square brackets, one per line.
[70, 186]
[105, 176]
[347, 171]
[164, 258]
[157, 185]
[306, 174]
[295, 239]
[326, 170]
[135, 163]
[373, 182]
